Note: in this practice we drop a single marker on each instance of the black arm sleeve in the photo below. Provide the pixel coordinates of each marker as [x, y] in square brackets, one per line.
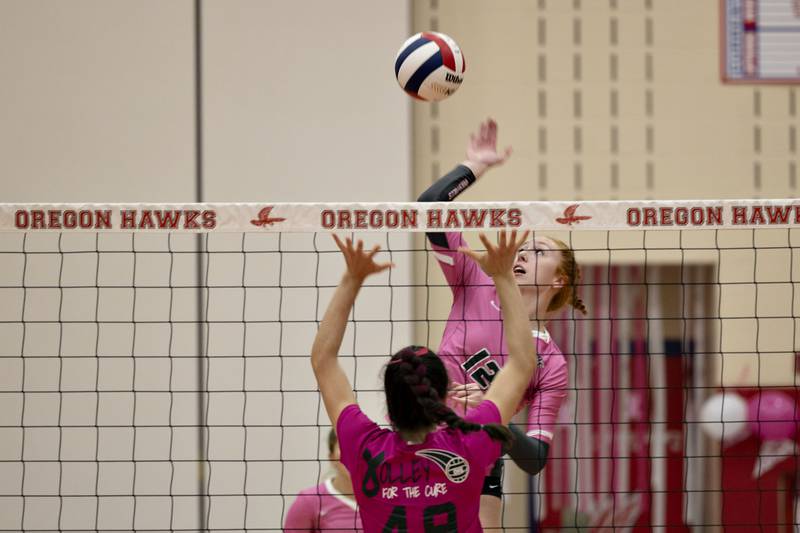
[528, 453]
[445, 189]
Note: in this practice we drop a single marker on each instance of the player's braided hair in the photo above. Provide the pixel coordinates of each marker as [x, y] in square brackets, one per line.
[416, 383]
[568, 268]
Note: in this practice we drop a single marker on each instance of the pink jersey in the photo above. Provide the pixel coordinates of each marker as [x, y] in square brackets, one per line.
[322, 508]
[432, 486]
[473, 348]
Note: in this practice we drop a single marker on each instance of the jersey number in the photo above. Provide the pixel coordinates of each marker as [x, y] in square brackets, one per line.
[397, 522]
[481, 368]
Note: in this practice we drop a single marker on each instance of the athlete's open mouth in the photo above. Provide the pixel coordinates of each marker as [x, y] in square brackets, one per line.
[519, 270]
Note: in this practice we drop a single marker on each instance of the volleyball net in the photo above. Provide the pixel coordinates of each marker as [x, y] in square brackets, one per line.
[155, 373]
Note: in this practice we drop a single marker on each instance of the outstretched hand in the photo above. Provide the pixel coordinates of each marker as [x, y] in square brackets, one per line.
[482, 148]
[465, 395]
[360, 264]
[498, 259]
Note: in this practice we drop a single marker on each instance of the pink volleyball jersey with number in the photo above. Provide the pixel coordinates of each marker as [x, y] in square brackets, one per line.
[432, 486]
[322, 508]
[473, 348]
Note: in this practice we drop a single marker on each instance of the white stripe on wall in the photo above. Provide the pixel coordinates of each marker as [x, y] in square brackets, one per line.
[658, 441]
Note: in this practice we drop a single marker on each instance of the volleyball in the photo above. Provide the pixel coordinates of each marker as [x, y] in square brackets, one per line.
[724, 416]
[430, 66]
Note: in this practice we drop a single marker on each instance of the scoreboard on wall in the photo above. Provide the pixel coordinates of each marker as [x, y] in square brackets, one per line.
[760, 41]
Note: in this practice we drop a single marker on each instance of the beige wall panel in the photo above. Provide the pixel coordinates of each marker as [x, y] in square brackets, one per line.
[303, 103]
[97, 101]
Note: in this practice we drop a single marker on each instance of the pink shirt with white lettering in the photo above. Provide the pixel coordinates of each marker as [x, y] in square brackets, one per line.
[432, 486]
[322, 508]
[473, 348]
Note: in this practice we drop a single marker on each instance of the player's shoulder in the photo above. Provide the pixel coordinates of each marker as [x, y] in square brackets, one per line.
[351, 416]
[485, 412]
[355, 428]
[550, 355]
[545, 342]
[315, 490]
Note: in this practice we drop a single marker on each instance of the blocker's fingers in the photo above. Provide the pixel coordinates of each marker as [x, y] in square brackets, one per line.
[470, 252]
[384, 266]
[519, 242]
[513, 237]
[486, 242]
[503, 239]
[339, 243]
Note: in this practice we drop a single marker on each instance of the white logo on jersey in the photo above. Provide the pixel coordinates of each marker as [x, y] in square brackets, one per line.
[454, 466]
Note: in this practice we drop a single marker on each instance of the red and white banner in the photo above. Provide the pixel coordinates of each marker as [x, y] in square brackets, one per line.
[310, 217]
[622, 450]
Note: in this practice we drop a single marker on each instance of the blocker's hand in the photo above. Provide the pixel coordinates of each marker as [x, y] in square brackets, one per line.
[360, 264]
[498, 260]
[466, 395]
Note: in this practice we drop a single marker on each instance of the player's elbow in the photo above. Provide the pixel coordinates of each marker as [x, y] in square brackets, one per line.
[528, 453]
[532, 466]
[318, 364]
[525, 364]
[427, 196]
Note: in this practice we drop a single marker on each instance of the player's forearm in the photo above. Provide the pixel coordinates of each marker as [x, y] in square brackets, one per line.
[449, 186]
[528, 453]
[478, 169]
[516, 325]
[331, 329]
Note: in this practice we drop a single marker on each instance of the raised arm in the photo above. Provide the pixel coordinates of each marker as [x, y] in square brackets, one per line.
[510, 383]
[482, 154]
[337, 393]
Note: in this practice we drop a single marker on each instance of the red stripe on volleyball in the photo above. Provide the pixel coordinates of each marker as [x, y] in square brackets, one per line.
[447, 54]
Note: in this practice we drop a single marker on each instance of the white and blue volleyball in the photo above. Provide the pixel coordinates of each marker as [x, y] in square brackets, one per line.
[430, 66]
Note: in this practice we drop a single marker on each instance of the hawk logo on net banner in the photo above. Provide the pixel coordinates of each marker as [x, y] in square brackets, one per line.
[570, 217]
[264, 219]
